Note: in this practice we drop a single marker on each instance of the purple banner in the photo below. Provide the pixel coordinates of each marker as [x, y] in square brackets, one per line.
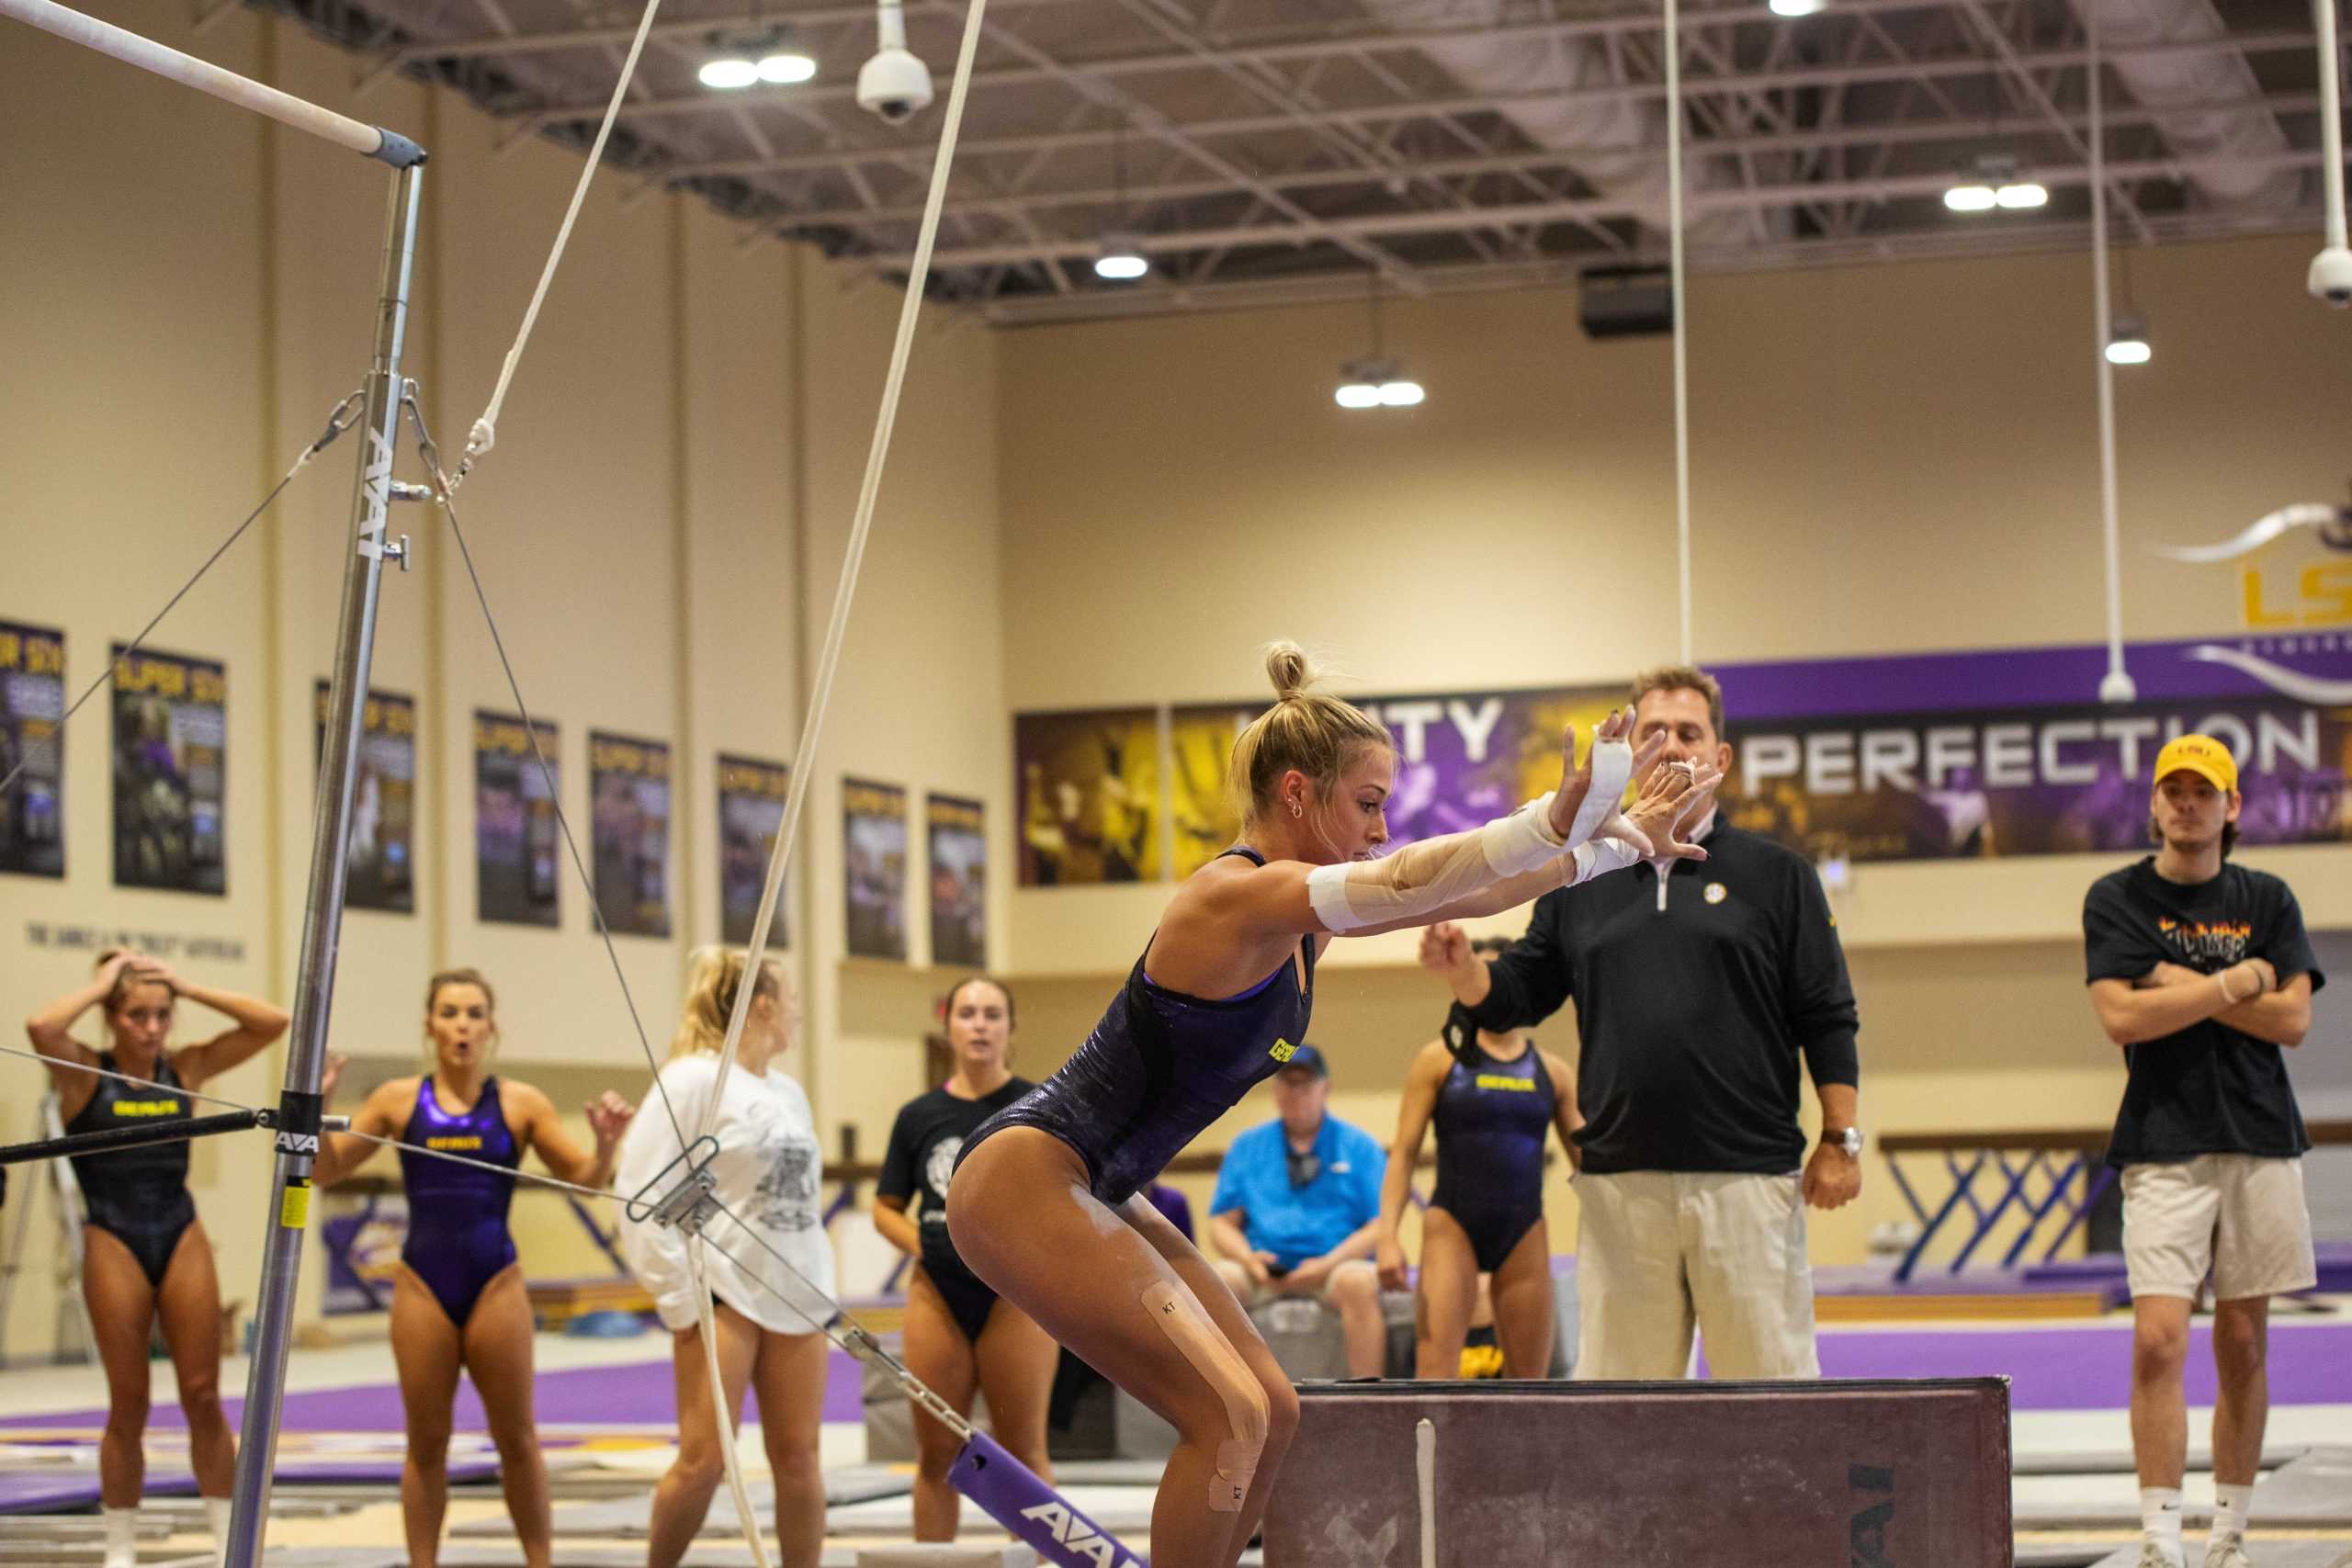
[2003, 751]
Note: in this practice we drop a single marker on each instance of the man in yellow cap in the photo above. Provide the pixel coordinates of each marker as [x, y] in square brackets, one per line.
[2201, 970]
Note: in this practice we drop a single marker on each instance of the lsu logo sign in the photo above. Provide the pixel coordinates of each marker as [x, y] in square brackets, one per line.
[1074, 1534]
[2315, 596]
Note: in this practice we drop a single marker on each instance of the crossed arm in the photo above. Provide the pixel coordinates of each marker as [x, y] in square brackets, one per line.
[2248, 997]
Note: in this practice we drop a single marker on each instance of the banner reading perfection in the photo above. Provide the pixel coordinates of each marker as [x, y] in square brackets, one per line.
[1912, 757]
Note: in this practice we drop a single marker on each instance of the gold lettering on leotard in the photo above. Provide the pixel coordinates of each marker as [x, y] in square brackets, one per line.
[1492, 1080]
[146, 1108]
[469, 1141]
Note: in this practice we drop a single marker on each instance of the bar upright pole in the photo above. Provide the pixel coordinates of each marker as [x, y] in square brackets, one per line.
[299, 1103]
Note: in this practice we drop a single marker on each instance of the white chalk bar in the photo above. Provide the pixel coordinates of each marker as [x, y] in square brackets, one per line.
[948, 1554]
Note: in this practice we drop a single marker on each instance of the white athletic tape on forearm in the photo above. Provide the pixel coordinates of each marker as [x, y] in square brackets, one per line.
[1423, 878]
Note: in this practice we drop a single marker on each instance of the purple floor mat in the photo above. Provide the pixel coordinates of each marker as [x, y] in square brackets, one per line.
[634, 1393]
[2088, 1369]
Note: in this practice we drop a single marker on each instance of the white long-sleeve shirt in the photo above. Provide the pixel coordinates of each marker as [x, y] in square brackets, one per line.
[769, 1167]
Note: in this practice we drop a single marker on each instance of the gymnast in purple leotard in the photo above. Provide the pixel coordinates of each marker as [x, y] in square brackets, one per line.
[458, 1298]
[1047, 1205]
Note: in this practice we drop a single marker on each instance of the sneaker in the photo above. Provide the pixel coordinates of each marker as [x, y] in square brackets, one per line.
[2154, 1556]
[2227, 1552]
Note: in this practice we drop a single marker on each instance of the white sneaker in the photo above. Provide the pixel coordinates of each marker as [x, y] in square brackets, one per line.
[2227, 1552]
[2154, 1556]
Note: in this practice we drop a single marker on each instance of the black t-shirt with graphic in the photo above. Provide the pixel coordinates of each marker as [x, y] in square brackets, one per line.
[924, 1140]
[2208, 1089]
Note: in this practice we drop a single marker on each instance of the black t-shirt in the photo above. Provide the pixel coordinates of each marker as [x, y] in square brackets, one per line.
[2208, 1089]
[924, 1141]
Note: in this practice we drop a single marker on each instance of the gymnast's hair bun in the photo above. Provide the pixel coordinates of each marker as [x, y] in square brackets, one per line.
[1288, 668]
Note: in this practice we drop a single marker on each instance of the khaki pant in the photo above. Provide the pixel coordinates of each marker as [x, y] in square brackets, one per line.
[2239, 1215]
[1662, 1252]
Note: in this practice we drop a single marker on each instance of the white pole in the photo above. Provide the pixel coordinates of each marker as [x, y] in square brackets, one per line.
[1681, 313]
[368, 140]
[2118, 687]
[2331, 273]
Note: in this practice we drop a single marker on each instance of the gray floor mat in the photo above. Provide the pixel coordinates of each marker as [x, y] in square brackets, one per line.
[2267, 1553]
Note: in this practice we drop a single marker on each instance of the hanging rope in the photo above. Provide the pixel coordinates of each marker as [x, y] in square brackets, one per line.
[1682, 315]
[861, 524]
[484, 435]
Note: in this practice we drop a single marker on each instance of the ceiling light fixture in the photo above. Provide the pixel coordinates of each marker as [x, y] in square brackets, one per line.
[1376, 382]
[2127, 342]
[1995, 185]
[1797, 7]
[753, 55]
[1120, 258]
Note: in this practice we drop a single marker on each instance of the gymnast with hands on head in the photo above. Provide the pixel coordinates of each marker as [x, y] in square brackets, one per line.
[459, 1299]
[1047, 1205]
[145, 1256]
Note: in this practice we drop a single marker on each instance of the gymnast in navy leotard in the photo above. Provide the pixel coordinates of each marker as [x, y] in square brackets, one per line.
[1495, 1099]
[1047, 1205]
[145, 1259]
[458, 1299]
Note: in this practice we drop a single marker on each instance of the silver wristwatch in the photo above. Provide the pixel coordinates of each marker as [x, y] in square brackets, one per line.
[1851, 1140]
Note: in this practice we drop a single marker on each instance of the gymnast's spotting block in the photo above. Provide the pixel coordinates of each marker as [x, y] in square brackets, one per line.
[1865, 1474]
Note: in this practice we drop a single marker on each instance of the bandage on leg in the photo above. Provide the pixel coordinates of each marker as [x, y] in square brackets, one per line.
[1244, 1403]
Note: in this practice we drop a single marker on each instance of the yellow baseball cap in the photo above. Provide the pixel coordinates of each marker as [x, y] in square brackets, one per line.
[2201, 755]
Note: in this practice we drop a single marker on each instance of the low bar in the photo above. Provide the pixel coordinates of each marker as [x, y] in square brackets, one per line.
[368, 140]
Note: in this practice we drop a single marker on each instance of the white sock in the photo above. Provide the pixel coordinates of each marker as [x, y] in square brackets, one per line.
[2160, 1520]
[122, 1537]
[2229, 1509]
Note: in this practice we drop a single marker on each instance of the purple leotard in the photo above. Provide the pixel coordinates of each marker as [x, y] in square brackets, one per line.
[458, 1240]
[1158, 1068]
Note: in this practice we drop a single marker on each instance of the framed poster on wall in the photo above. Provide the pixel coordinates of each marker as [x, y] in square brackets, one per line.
[382, 864]
[874, 868]
[958, 830]
[628, 787]
[751, 809]
[32, 750]
[171, 770]
[517, 844]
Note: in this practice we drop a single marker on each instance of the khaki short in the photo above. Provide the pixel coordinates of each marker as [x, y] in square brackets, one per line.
[1252, 1297]
[1661, 1253]
[2240, 1216]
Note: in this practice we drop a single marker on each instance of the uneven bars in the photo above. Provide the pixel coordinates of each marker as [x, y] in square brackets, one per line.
[368, 140]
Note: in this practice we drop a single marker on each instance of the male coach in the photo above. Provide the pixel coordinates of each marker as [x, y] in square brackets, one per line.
[1695, 992]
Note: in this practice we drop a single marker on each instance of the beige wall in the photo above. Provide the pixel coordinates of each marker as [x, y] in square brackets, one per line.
[659, 530]
[1884, 459]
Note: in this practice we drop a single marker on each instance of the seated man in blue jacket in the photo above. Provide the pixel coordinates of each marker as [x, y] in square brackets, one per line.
[1297, 1208]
